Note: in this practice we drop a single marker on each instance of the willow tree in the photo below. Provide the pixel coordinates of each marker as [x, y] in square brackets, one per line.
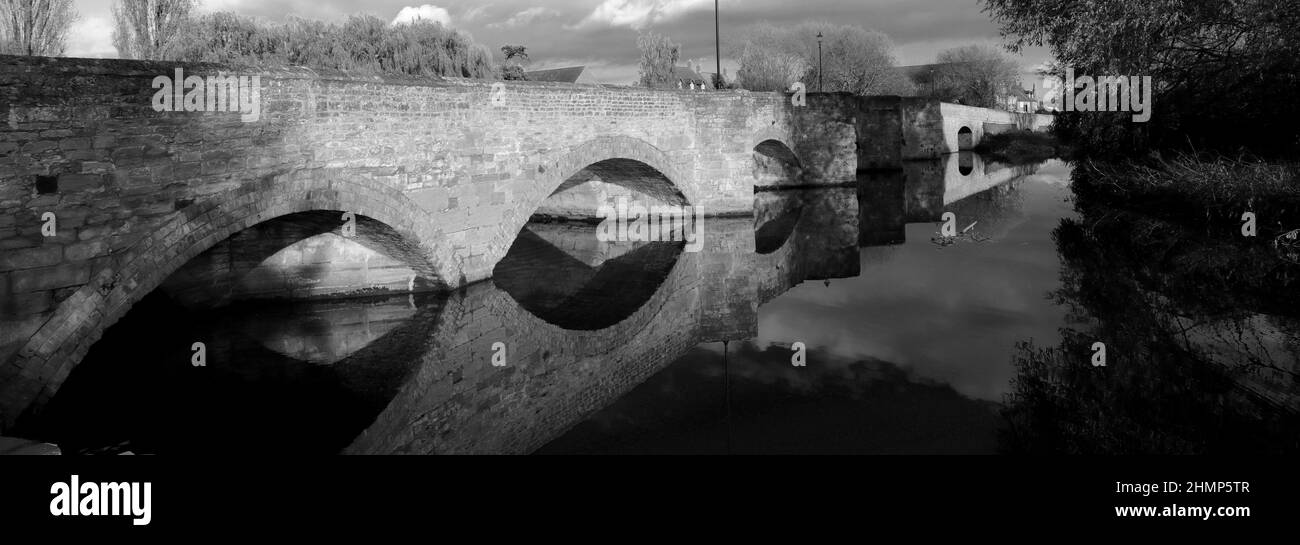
[658, 59]
[147, 29]
[363, 44]
[35, 27]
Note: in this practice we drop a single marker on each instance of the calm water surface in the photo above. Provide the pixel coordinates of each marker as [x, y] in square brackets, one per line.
[912, 345]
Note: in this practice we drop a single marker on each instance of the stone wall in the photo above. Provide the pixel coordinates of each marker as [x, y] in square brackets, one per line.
[880, 132]
[978, 120]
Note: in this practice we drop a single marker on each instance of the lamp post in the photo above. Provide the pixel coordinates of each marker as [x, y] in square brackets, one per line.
[717, 46]
[819, 61]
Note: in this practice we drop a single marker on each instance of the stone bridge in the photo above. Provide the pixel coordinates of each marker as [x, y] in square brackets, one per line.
[456, 401]
[102, 197]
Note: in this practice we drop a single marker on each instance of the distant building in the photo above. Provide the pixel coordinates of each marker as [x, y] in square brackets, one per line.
[572, 74]
[1021, 100]
[687, 78]
[1050, 91]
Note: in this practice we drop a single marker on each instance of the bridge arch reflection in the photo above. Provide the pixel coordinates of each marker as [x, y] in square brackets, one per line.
[564, 275]
[457, 401]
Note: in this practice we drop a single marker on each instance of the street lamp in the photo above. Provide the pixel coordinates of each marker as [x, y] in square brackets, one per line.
[819, 61]
[717, 46]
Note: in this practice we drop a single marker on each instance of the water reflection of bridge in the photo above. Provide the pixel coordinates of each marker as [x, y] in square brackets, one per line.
[582, 322]
[457, 401]
[975, 190]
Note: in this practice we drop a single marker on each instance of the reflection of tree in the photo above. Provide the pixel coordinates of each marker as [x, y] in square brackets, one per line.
[1200, 336]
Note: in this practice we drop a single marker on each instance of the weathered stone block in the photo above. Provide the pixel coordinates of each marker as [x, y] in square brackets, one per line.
[48, 278]
[85, 250]
[80, 182]
[27, 304]
[39, 146]
[29, 258]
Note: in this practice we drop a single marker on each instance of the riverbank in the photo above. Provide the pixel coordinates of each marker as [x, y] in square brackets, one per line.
[1198, 329]
[1022, 147]
[1213, 193]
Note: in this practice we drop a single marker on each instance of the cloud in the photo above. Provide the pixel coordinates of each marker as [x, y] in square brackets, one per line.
[639, 14]
[214, 6]
[526, 17]
[91, 37]
[474, 13]
[426, 12]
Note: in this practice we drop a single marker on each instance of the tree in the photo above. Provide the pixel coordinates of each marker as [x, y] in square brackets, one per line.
[769, 59]
[1225, 71]
[515, 52]
[975, 75]
[145, 29]
[35, 27]
[363, 44]
[516, 56]
[224, 37]
[658, 59]
[853, 59]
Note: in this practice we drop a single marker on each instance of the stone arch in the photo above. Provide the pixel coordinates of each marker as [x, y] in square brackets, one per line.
[616, 151]
[32, 376]
[776, 136]
[651, 167]
[965, 138]
[775, 162]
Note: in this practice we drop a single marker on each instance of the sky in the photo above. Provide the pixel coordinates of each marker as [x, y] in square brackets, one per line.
[601, 34]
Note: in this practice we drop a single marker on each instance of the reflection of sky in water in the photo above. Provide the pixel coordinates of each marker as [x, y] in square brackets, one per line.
[950, 314]
[911, 355]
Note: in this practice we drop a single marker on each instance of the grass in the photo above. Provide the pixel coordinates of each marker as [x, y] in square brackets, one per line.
[1212, 181]
[1215, 191]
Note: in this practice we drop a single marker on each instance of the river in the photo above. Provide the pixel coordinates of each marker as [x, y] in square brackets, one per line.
[909, 343]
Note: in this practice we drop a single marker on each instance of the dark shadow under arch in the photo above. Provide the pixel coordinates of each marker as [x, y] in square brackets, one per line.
[568, 293]
[54, 350]
[242, 252]
[965, 139]
[631, 174]
[775, 164]
[249, 393]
